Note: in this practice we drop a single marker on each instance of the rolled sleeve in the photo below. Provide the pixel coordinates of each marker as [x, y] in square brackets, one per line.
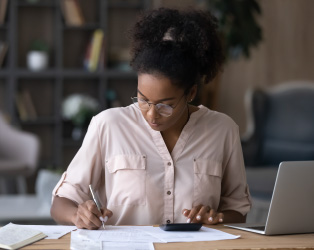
[85, 169]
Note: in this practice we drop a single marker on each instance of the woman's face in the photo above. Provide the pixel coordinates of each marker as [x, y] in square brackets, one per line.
[159, 89]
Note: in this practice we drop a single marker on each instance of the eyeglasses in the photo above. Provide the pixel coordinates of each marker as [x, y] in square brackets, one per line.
[162, 109]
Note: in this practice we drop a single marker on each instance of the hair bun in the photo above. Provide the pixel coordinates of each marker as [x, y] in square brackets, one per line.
[193, 33]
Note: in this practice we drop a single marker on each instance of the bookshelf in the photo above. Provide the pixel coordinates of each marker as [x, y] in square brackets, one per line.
[28, 20]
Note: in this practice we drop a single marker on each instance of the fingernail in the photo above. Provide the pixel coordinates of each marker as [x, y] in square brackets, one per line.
[184, 212]
[188, 221]
[220, 220]
[198, 217]
[210, 219]
[105, 219]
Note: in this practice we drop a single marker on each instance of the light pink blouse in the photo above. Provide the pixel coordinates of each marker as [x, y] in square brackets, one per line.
[136, 177]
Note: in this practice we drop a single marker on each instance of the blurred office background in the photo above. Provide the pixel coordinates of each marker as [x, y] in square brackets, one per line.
[56, 55]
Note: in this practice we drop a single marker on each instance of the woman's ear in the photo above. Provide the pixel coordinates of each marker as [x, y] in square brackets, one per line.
[192, 94]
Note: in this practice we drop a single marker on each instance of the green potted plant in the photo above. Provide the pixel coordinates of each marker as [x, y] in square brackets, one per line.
[239, 30]
[38, 57]
[238, 26]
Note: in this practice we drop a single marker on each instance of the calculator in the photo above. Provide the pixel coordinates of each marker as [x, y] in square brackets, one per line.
[181, 226]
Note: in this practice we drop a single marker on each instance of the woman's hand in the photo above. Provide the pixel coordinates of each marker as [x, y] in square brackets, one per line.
[89, 217]
[203, 214]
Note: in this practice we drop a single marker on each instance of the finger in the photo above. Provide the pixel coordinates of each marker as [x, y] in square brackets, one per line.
[220, 217]
[106, 214]
[93, 209]
[78, 222]
[85, 222]
[217, 218]
[201, 213]
[89, 215]
[186, 212]
[211, 216]
[193, 213]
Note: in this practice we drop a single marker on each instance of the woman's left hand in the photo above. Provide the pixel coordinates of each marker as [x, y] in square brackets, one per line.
[203, 214]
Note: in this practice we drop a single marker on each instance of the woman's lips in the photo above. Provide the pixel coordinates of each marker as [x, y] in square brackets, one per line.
[152, 124]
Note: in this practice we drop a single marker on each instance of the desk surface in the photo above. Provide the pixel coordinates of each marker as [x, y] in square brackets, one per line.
[247, 241]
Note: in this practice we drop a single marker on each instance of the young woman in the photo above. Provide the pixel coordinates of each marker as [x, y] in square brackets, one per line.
[160, 160]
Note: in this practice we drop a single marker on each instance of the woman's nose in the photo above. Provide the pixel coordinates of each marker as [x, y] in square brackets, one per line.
[152, 112]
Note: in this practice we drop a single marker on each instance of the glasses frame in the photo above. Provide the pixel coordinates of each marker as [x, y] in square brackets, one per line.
[156, 104]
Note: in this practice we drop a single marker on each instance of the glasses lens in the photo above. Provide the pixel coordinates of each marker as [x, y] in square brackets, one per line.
[140, 103]
[163, 109]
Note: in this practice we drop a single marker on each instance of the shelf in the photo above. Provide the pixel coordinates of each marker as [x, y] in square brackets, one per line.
[43, 19]
[72, 73]
[109, 73]
[78, 73]
[50, 73]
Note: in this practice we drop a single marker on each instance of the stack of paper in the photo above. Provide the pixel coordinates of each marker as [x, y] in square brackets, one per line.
[139, 237]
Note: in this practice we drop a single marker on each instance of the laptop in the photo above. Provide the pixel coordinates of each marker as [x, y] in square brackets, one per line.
[292, 203]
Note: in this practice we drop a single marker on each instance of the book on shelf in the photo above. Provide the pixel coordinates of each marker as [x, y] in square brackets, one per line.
[30, 107]
[102, 56]
[15, 236]
[3, 51]
[95, 51]
[3, 10]
[25, 106]
[72, 13]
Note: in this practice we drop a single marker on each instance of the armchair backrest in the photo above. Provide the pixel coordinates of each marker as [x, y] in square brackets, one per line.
[17, 146]
[283, 122]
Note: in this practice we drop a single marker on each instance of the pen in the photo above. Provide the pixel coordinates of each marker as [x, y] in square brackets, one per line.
[97, 204]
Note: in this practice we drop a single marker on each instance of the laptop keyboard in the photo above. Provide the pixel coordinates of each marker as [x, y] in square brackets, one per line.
[261, 228]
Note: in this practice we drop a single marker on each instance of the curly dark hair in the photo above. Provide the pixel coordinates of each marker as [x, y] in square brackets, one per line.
[181, 45]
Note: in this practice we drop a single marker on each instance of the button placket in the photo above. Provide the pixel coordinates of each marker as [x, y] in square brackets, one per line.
[168, 197]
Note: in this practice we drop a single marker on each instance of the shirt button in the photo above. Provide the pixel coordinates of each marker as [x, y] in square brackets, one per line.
[168, 221]
[169, 163]
[169, 193]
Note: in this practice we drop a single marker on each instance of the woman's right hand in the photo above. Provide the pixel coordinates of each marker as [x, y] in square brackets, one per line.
[89, 217]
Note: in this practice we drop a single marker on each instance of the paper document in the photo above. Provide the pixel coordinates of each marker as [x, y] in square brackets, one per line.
[128, 245]
[78, 242]
[52, 232]
[151, 234]
[119, 234]
[204, 234]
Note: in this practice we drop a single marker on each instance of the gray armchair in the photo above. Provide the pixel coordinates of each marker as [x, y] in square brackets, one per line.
[19, 152]
[280, 128]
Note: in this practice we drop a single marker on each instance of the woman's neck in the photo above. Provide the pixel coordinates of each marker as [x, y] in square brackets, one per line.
[176, 130]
